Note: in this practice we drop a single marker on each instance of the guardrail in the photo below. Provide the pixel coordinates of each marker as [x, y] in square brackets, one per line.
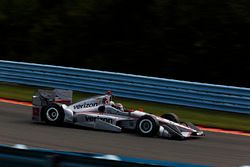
[192, 94]
[29, 157]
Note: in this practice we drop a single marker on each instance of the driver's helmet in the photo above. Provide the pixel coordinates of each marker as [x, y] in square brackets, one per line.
[112, 103]
[119, 106]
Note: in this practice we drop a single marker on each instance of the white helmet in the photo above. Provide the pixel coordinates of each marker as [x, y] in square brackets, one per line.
[111, 103]
[119, 106]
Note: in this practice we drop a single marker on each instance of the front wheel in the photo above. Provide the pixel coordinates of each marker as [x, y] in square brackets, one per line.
[171, 117]
[147, 126]
[53, 114]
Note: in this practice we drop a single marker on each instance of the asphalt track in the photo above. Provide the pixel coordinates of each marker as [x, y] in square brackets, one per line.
[216, 149]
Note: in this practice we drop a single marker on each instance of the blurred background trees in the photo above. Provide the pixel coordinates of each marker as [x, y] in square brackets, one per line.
[195, 40]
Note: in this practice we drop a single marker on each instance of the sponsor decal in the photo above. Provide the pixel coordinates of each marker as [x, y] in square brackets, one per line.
[85, 105]
[93, 119]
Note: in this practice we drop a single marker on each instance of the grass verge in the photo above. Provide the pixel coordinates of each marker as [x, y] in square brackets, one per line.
[208, 118]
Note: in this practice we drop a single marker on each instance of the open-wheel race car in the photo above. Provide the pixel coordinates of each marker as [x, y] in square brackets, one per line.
[100, 112]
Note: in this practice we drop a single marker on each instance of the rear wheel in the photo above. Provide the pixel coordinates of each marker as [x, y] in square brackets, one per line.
[171, 117]
[147, 126]
[53, 114]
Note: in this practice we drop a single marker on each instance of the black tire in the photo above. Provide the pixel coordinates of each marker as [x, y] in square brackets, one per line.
[171, 117]
[147, 126]
[53, 114]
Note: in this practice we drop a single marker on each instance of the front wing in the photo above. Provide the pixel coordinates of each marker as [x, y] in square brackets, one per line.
[178, 132]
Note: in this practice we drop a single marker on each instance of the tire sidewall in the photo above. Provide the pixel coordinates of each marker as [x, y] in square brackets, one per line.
[53, 114]
[147, 126]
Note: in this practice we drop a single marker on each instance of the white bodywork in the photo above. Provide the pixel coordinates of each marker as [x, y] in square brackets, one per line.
[99, 113]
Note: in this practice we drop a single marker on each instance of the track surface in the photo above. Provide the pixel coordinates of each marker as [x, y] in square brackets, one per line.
[214, 149]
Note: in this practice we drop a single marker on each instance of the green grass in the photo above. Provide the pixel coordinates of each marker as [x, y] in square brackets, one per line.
[209, 118]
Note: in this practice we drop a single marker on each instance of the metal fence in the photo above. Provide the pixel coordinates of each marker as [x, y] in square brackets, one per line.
[192, 94]
[29, 157]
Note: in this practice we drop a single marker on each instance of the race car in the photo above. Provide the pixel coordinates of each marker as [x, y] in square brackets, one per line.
[55, 107]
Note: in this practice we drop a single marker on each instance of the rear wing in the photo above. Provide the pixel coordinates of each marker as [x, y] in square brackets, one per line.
[45, 97]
